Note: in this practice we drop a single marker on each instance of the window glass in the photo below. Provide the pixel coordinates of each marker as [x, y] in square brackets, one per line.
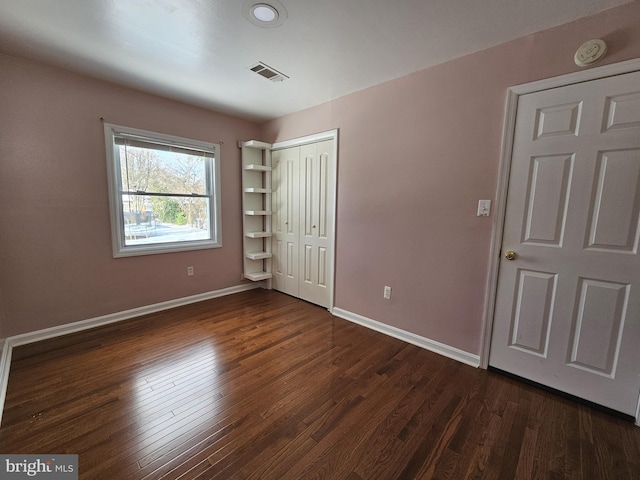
[164, 192]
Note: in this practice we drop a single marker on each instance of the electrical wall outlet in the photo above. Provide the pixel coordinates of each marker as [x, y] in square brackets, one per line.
[387, 292]
[190, 271]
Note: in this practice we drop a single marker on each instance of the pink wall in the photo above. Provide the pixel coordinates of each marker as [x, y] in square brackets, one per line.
[415, 156]
[56, 264]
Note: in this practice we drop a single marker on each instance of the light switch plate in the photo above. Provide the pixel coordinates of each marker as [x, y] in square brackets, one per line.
[484, 208]
[387, 292]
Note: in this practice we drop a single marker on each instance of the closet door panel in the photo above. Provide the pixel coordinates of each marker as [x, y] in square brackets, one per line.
[315, 192]
[303, 185]
[286, 219]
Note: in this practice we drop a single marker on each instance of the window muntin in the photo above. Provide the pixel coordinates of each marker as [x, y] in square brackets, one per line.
[164, 192]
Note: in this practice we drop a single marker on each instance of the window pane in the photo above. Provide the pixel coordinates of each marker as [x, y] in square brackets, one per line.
[164, 192]
[150, 219]
[162, 171]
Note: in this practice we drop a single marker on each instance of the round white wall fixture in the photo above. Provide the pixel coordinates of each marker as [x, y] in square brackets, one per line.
[590, 52]
[264, 13]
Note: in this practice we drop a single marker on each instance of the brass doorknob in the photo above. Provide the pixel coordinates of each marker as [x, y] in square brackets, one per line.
[510, 255]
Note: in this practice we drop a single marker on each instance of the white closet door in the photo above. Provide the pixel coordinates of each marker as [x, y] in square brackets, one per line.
[316, 208]
[286, 219]
[303, 205]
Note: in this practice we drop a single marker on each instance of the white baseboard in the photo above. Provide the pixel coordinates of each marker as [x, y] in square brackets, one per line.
[124, 315]
[58, 331]
[5, 365]
[431, 345]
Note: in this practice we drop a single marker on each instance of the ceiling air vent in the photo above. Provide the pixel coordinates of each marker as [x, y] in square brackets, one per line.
[268, 72]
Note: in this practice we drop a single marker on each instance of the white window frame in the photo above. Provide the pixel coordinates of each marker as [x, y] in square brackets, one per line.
[120, 249]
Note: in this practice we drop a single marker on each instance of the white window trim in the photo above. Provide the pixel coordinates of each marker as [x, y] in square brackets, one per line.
[115, 189]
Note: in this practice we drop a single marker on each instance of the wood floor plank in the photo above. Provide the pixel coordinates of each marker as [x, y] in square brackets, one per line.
[260, 385]
[392, 444]
[338, 460]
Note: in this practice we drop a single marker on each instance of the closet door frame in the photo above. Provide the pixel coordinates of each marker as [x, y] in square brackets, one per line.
[333, 178]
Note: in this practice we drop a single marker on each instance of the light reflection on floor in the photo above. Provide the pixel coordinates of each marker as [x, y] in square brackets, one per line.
[167, 394]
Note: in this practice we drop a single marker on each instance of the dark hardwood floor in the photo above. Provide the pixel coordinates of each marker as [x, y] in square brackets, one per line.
[259, 385]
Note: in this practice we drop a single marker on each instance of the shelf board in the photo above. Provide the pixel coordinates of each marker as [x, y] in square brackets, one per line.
[258, 234]
[257, 276]
[257, 212]
[257, 255]
[255, 167]
[257, 144]
[257, 190]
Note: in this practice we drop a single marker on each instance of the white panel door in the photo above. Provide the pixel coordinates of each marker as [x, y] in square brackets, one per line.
[568, 306]
[285, 181]
[316, 192]
[303, 185]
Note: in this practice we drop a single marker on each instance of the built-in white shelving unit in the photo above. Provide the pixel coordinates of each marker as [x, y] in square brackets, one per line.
[256, 206]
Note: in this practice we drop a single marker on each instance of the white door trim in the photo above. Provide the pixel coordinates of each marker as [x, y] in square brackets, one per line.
[314, 138]
[503, 179]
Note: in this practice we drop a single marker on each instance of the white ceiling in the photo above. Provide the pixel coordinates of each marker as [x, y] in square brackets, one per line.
[198, 51]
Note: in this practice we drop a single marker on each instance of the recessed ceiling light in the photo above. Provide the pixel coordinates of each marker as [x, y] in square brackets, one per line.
[264, 13]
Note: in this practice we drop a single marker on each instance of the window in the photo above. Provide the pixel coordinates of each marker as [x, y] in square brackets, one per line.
[164, 192]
